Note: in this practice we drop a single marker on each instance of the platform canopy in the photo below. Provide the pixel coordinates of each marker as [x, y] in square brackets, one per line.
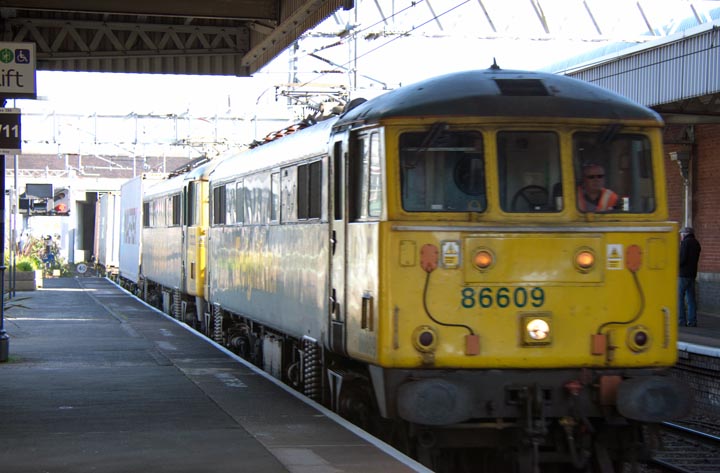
[221, 37]
[208, 37]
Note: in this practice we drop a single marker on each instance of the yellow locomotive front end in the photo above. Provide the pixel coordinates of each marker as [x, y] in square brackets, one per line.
[494, 263]
[504, 270]
[498, 284]
[495, 297]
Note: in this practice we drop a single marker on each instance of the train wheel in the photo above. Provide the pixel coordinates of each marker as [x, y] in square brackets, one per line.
[526, 461]
[428, 457]
[356, 404]
[601, 462]
[396, 432]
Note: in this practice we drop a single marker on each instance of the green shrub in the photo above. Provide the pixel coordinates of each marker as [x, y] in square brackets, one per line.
[27, 263]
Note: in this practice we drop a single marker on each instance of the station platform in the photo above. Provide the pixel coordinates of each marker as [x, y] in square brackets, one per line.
[97, 381]
[703, 339]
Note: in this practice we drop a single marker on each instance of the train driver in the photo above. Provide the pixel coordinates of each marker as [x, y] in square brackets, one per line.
[592, 194]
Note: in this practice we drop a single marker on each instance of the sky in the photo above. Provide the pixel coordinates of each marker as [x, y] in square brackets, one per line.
[398, 42]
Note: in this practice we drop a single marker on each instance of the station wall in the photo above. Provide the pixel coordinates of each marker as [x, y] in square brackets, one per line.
[703, 142]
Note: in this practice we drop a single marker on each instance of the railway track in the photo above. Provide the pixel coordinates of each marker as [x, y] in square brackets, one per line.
[686, 450]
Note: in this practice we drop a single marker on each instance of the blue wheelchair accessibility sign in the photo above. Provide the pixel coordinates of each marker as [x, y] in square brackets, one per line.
[22, 56]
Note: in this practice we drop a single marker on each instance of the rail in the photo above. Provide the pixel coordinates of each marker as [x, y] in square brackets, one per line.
[686, 450]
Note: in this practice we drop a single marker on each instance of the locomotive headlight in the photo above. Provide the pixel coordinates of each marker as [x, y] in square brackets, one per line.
[638, 338]
[483, 259]
[425, 338]
[584, 260]
[536, 329]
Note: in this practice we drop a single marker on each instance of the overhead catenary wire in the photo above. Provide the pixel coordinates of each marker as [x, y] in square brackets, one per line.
[374, 50]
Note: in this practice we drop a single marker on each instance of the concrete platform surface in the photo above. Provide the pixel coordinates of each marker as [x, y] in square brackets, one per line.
[97, 381]
[703, 339]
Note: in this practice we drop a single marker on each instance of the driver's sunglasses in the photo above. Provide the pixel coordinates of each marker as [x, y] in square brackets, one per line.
[594, 176]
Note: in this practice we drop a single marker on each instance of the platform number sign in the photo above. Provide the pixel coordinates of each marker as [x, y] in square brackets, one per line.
[10, 132]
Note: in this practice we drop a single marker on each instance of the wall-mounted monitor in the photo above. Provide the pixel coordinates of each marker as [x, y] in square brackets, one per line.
[39, 191]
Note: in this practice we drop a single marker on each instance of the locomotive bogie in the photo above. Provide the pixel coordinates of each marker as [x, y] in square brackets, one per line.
[449, 397]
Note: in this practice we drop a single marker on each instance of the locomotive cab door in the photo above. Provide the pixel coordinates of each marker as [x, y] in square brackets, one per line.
[193, 259]
[338, 229]
[190, 265]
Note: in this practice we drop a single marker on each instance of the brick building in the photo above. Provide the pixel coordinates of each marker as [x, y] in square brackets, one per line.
[702, 142]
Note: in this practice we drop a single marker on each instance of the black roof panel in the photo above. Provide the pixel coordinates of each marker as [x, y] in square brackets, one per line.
[497, 92]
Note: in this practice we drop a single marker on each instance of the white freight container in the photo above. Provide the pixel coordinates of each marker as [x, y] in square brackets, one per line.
[107, 231]
[131, 221]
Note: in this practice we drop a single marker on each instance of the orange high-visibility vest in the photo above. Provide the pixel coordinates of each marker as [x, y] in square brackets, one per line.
[607, 200]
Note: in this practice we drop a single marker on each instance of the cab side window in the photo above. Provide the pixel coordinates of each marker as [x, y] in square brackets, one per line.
[366, 176]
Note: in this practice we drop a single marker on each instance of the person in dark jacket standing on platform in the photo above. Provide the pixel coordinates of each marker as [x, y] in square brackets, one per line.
[689, 256]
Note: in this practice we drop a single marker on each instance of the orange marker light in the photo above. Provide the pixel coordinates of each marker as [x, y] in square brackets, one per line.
[483, 259]
[585, 260]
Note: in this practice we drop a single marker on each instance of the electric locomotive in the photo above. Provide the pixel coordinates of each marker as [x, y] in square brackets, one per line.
[426, 262]
[174, 216]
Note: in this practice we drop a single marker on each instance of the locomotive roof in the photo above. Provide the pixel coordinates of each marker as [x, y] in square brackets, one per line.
[480, 93]
[172, 185]
[497, 92]
[306, 143]
[175, 183]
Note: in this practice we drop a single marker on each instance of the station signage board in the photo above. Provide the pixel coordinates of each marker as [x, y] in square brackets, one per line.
[17, 70]
[10, 132]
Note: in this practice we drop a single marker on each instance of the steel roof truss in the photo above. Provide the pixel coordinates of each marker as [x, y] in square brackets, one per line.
[487, 16]
[540, 14]
[139, 39]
